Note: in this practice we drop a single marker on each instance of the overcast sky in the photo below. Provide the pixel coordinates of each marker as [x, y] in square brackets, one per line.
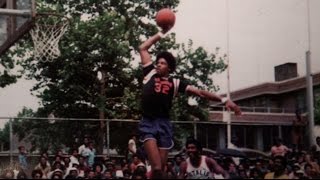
[262, 34]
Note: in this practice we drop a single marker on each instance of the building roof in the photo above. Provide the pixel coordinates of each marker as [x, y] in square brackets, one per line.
[280, 87]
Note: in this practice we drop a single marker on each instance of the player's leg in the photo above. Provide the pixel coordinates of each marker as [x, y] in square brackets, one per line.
[164, 157]
[165, 141]
[148, 129]
[154, 158]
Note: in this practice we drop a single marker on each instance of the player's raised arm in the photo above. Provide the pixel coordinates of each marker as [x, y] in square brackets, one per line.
[143, 48]
[165, 20]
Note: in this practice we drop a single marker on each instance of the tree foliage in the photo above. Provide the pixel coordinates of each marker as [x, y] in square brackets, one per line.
[97, 74]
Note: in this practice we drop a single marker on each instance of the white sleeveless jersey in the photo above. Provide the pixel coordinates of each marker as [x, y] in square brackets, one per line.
[201, 172]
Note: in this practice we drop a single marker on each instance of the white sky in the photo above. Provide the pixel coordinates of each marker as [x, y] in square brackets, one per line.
[262, 34]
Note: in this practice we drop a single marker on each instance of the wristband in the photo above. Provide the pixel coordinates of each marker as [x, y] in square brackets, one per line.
[224, 100]
[160, 34]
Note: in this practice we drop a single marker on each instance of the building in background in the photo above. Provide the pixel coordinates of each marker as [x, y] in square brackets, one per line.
[269, 110]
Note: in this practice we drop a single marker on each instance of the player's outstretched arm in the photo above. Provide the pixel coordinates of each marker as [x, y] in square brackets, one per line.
[230, 105]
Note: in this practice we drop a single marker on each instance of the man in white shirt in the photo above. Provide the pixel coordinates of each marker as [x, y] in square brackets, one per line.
[198, 166]
[132, 147]
[83, 146]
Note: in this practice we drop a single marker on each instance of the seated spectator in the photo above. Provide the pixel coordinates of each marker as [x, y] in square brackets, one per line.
[22, 175]
[44, 166]
[256, 174]
[279, 169]
[97, 168]
[135, 163]
[309, 172]
[56, 174]
[72, 173]
[294, 174]
[7, 174]
[107, 175]
[90, 174]
[126, 174]
[36, 174]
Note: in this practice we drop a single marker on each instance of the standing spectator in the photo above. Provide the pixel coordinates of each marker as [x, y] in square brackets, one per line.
[132, 147]
[279, 169]
[22, 157]
[84, 145]
[278, 149]
[90, 153]
[298, 126]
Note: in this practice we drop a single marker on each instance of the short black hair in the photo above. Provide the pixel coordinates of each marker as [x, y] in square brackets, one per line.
[282, 159]
[171, 60]
[191, 140]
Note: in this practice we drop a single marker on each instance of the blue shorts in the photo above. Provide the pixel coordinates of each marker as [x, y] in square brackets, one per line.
[159, 129]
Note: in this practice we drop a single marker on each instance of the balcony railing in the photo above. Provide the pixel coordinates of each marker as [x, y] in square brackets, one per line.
[256, 109]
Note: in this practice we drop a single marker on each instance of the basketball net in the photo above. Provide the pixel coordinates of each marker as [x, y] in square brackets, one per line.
[46, 34]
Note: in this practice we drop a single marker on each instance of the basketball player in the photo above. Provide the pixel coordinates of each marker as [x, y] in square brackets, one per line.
[157, 94]
[198, 166]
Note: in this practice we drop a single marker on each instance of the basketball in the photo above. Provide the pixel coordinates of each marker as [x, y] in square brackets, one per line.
[165, 17]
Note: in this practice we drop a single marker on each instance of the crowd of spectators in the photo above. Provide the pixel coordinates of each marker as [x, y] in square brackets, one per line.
[83, 163]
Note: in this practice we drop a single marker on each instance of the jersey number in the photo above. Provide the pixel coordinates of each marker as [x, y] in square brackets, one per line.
[162, 88]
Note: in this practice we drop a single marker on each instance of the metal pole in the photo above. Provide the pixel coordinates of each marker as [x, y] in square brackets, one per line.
[310, 100]
[309, 79]
[11, 141]
[228, 78]
[108, 138]
[195, 129]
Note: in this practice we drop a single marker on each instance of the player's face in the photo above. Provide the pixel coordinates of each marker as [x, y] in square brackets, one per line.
[162, 67]
[192, 150]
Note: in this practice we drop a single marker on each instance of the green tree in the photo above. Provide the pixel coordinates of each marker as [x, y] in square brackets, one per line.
[7, 76]
[5, 137]
[95, 78]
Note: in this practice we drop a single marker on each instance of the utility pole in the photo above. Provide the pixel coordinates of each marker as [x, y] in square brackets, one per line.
[309, 81]
[228, 78]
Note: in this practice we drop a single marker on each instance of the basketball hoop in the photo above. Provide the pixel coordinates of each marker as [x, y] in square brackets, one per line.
[46, 34]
